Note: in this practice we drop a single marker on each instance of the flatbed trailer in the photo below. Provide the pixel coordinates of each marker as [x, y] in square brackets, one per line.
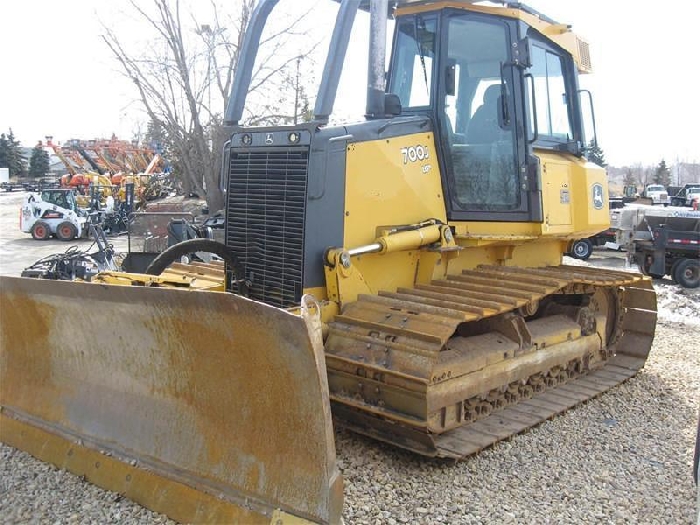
[12, 186]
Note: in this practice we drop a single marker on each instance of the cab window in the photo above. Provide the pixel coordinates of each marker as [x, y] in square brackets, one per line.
[552, 119]
[412, 80]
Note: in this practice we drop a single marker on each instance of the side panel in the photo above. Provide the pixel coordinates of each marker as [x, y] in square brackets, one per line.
[324, 204]
[592, 202]
[198, 397]
[392, 181]
[557, 196]
[584, 185]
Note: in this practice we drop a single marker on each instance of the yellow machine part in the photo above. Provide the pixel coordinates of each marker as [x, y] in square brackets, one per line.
[450, 367]
[195, 275]
[197, 416]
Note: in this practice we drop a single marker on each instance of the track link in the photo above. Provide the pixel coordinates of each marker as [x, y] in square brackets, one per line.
[450, 368]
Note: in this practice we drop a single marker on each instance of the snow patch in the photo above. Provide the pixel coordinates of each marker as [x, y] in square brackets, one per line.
[677, 304]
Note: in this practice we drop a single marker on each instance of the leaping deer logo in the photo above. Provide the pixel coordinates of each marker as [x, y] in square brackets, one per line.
[598, 196]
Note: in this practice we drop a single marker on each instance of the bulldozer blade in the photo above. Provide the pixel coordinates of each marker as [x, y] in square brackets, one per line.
[204, 406]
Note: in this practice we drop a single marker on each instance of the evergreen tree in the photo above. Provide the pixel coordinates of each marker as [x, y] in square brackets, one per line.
[156, 137]
[11, 155]
[39, 162]
[596, 155]
[662, 175]
[4, 152]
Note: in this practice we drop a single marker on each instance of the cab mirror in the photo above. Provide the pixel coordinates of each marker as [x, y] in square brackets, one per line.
[392, 105]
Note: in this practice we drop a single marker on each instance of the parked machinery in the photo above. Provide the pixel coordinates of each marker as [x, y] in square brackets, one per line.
[52, 212]
[688, 195]
[657, 193]
[404, 271]
[669, 244]
[76, 264]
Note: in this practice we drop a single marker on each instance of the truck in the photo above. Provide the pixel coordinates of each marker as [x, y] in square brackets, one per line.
[687, 195]
[657, 193]
[669, 245]
[400, 276]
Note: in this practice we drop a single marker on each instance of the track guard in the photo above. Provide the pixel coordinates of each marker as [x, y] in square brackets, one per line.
[207, 407]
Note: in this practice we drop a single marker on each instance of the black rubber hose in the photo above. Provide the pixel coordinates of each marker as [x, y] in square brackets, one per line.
[175, 252]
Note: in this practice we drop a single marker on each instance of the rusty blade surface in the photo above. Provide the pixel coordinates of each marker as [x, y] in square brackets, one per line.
[209, 391]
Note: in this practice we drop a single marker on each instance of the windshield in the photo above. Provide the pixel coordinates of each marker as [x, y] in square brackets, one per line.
[655, 188]
[63, 199]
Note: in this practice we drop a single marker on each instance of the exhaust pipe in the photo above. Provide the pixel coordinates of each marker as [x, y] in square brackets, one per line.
[376, 83]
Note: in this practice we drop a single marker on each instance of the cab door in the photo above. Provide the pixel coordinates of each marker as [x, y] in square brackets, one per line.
[489, 176]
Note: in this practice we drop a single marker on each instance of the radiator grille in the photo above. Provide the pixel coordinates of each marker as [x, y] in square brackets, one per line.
[265, 220]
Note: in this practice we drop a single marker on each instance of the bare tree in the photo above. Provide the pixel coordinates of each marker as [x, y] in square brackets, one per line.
[629, 178]
[184, 78]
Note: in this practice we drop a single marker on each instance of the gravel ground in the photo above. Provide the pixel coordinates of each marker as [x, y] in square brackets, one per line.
[624, 457]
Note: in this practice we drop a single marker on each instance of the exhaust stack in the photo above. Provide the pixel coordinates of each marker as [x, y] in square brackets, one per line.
[376, 83]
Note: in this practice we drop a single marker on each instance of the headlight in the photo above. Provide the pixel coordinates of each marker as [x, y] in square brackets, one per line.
[246, 139]
[294, 137]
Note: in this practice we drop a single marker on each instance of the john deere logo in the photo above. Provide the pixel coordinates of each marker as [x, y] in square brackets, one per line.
[598, 196]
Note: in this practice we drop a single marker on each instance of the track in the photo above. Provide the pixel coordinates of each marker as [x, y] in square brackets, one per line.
[450, 368]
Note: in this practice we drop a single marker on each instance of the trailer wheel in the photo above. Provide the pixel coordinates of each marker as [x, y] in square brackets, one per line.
[688, 273]
[41, 231]
[582, 249]
[674, 267]
[66, 231]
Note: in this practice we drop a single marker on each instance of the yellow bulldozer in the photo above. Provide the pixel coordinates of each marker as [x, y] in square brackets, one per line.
[401, 276]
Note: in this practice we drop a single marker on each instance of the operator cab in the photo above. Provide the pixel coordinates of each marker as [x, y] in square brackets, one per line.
[496, 89]
[62, 198]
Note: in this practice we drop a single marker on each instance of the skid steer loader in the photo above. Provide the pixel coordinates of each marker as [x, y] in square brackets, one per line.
[404, 273]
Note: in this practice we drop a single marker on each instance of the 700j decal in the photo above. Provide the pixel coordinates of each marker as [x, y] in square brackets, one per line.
[414, 153]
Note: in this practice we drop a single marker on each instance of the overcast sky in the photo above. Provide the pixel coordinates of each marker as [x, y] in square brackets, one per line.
[59, 78]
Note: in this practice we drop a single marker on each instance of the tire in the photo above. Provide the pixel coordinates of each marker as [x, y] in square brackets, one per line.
[41, 231]
[582, 249]
[66, 231]
[674, 267]
[175, 252]
[688, 273]
[644, 266]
